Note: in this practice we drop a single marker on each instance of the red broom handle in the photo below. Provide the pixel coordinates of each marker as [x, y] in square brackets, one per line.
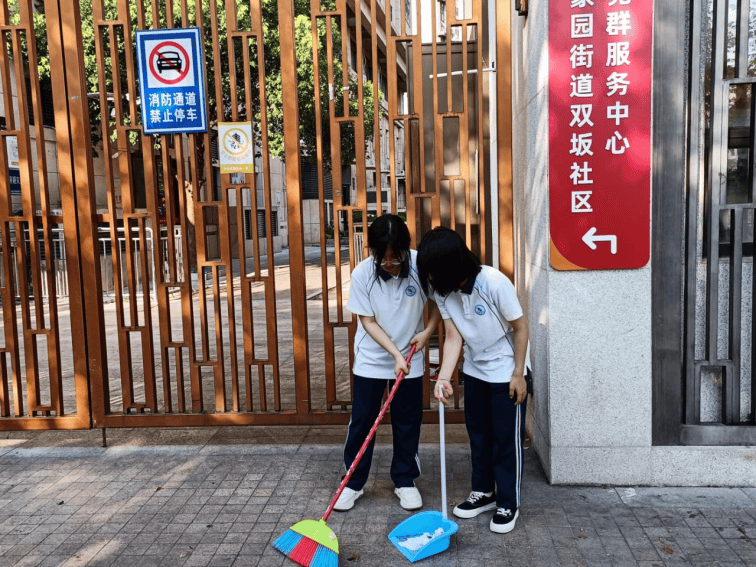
[369, 438]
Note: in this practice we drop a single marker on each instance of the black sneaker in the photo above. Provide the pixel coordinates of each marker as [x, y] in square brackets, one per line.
[504, 520]
[476, 503]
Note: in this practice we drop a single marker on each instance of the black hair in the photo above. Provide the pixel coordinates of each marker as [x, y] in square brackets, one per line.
[444, 261]
[387, 230]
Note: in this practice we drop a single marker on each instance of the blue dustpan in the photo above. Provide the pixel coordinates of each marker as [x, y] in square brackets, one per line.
[419, 537]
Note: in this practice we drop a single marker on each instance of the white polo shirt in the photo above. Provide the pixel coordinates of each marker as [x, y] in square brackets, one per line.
[481, 312]
[397, 304]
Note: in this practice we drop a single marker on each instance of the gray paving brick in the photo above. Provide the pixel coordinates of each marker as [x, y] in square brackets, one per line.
[223, 508]
[562, 536]
[570, 557]
[617, 549]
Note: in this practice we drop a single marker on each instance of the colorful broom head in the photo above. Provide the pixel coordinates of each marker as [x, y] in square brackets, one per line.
[310, 543]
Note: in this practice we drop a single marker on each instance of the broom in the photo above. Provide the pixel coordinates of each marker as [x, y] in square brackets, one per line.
[311, 543]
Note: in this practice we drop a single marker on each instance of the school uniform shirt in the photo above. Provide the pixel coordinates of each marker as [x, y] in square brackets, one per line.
[397, 304]
[481, 312]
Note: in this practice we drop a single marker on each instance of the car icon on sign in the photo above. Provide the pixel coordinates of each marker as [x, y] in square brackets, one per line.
[169, 61]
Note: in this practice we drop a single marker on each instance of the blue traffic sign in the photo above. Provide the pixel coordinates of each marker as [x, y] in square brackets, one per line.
[171, 81]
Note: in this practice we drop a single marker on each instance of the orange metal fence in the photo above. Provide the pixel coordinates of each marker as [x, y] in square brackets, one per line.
[140, 287]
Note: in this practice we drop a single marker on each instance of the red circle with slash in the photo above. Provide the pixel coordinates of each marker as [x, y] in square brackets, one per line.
[157, 55]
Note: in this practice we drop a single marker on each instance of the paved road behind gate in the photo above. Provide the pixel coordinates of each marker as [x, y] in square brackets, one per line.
[218, 496]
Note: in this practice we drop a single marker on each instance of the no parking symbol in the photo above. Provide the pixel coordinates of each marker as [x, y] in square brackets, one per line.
[171, 79]
[169, 63]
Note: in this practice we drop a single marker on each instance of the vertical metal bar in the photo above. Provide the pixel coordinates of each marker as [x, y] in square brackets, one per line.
[742, 17]
[376, 108]
[270, 286]
[359, 143]
[336, 165]
[185, 14]
[391, 89]
[159, 276]
[220, 115]
[156, 13]
[4, 396]
[504, 133]
[438, 124]
[27, 263]
[180, 395]
[148, 351]
[6, 67]
[716, 182]
[41, 158]
[330, 369]
[204, 331]
[696, 183]
[231, 30]
[78, 203]
[10, 320]
[187, 301]
[244, 285]
[712, 285]
[220, 379]
[752, 145]
[30, 343]
[294, 198]
[731, 386]
[464, 141]
[719, 37]
[230, 301]
[752, 417]
[437, 120]
[124, 13]
[480, 188]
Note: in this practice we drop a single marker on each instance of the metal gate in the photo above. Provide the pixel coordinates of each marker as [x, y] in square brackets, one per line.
[720, 374]
[140, 287]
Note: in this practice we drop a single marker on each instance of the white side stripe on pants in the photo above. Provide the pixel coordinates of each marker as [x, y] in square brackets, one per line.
[518, 449]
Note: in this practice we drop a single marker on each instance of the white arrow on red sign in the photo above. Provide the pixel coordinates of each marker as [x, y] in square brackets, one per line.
[590, 239]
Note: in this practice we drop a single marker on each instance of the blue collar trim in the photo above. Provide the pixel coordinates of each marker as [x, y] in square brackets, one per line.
[469, 286]
[403, 273]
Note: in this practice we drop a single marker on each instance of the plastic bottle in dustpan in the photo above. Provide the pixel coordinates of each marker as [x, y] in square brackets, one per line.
[427, 533]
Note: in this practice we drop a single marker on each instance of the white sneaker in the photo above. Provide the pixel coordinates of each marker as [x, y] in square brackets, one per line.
[409, 497]
[347, 499]
[504, 520]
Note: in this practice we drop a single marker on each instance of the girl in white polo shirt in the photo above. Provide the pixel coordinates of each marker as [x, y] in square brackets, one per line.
[386, 296]
[480, 307]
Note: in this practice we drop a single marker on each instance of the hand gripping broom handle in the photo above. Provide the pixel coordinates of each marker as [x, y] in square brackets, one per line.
[369, 438]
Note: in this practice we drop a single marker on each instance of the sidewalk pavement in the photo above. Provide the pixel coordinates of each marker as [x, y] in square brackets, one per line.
[219, 496]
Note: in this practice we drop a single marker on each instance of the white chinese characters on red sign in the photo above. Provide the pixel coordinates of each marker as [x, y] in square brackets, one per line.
[600, 133]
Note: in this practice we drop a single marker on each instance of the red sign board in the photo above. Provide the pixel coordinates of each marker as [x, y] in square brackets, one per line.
[600, 133]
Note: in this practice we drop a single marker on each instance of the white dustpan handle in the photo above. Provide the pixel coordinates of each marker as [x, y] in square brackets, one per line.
[442, 445]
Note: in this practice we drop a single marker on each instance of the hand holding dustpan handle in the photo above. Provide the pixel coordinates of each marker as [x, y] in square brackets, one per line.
[369, 438]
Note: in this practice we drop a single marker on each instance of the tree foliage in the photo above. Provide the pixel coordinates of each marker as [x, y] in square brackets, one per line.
[221, 110]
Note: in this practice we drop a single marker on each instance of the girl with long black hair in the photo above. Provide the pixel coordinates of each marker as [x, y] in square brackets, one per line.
[479, 307]
[386, 296]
